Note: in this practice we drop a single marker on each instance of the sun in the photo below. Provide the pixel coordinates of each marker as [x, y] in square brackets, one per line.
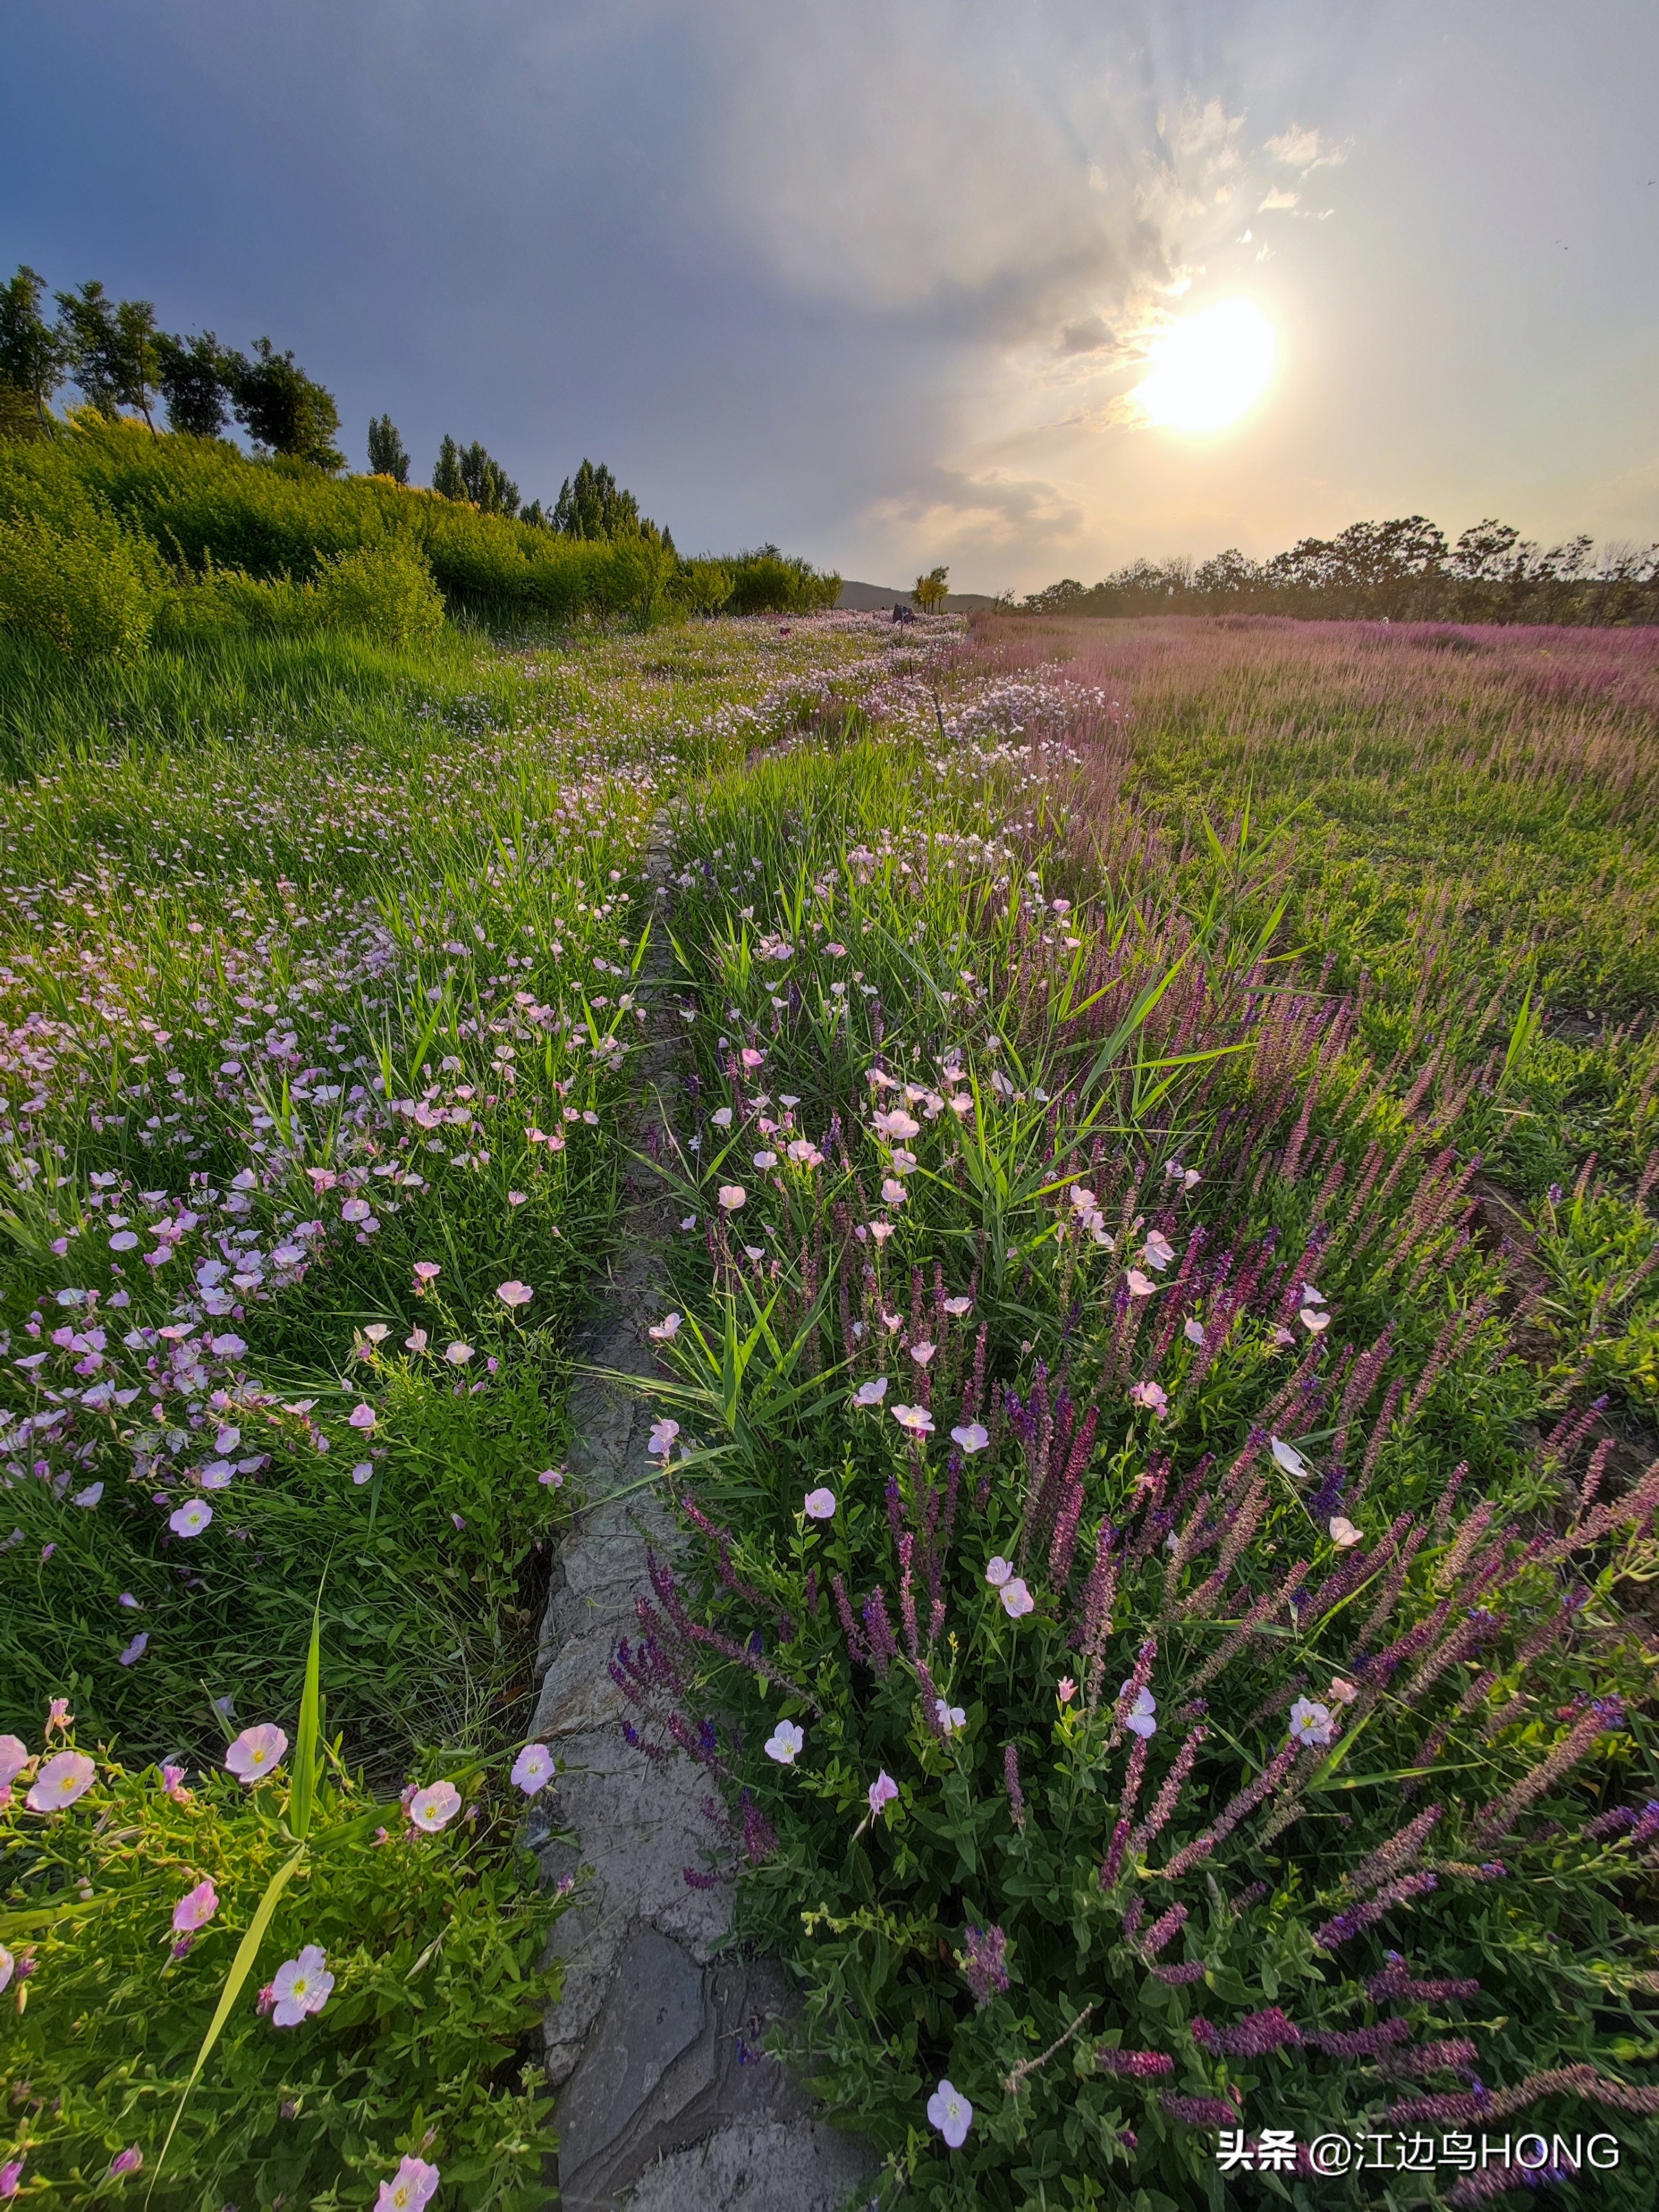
[1210, 369]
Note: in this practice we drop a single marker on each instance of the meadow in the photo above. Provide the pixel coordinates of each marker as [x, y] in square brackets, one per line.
[1160, 1368]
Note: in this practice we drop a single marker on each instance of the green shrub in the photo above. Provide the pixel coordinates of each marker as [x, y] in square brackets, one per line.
[387, 590]
[433, 1940]
[88, 592]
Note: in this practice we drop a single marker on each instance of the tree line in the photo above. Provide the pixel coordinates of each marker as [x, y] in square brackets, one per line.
[122, 362]
[1405, 570]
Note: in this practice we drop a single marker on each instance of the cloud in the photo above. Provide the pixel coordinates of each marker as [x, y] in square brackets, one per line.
[1305, 150]
[1278, 198]
[950, 508]
[1093, 335]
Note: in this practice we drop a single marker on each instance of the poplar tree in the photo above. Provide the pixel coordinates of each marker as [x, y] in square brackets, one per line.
[283, 409]
[191, 374]
[446, 477]
[31, 360]
[386, 453]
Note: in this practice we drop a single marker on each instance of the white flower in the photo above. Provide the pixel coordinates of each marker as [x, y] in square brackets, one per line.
[1311, 1723]
[950, 1718]
[871, 1394]
[1159, 1250]
[721, 1117]
[997, 1572]
[1312, 1320]
[972, 1436]
[1344, 1534]
[764, 1160]
[1193, 1330]
[785, 1742]
[660, 1441]
[819, 1504]
[731, 1196]
[1140, 1286]
[666, 1329]
[1017, 1600]
[1140, 1719]
[958, 1307]
[1289, 1458]
[301, 1986]
[916, 1419]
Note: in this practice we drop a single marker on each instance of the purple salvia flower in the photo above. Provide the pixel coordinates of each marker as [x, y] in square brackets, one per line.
[1253, 2037]
[1113, 1863]
[1199, 2112]
[1603, 1716]
[1349, 1923]
[858, 1649]
[1138, 2065]
[883, 1647]
[1163, 1930]
[1168, 1797]
[985, 1963]
[1362, 2042]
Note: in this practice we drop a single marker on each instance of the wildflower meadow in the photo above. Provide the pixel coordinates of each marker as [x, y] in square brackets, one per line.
[1156, 1375]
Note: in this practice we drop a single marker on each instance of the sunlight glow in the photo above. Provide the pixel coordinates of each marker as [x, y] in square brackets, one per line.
[1208, 370]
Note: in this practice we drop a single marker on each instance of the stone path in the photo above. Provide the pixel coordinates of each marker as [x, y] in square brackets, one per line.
[663, 2105]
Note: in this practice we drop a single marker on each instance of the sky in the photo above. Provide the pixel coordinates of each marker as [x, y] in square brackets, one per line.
[881, 284]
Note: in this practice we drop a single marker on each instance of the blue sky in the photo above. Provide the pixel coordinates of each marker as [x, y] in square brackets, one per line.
[877, 282]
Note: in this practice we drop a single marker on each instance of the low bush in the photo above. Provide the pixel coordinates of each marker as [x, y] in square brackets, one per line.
[377, 1965]
[89, 591]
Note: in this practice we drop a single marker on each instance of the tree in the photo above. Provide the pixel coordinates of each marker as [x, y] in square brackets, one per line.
[283, 408]
[112, 350]
[489, 486]
[593, 504]
[191, 373]
[447, 476]
[31, 351]
[930, 590]
[386, 454]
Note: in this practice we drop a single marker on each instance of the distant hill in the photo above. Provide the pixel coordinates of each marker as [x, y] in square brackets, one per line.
[862, 596]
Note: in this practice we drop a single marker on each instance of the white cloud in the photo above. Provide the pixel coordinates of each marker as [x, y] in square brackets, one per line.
[1305, 150]
[1278, 198]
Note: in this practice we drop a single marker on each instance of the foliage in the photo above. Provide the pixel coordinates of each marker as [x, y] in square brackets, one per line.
[31, 349]
[193, 374]
[110, 348]
[283, 408]
[433, 1942]
[1399, 571]
[203, 503]
[1238, 1411]
[931, 590]
[594, 506]
[88, 593]
[387, 455]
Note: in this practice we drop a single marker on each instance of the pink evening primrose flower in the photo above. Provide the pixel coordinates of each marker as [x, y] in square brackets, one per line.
[173, 1784]
[731, 1196]
[426, 1271]
[1343, 1691]
[256, 1753]
[67, 1776]
[412, 2189]
[951, 1718]
[458, 1354]
[881, 1793]
[950, 2111]
[11, 2177]
[58, 1716]
[135, 1651]
[302, 1987]
[195, 1909]
[363, 1472]
[532, 1770]
[660, 1441]
[1344, 1534]
[916, 1419]
[1152, 1396]
[1066, 1689]
[1141, 1718]
[1313, 1321]
[1017, 1600]
[13, 1758]
[973, 1436]
[871, 1394]
[1288, 1457]
[1140, 1286]
[785, 1742]
[515, 1294]
[191, 1519]
[997, 1572]
[665, 1330]
[1193, 1330]
[1311, 1723]
[360, 1416]
[434, 1806]
[128, 2161]
[8, 1967]
[1159, 1250]
[819, 1504]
